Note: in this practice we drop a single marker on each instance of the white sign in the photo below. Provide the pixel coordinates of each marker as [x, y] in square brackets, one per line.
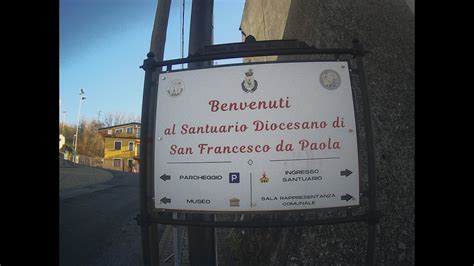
[261, 137]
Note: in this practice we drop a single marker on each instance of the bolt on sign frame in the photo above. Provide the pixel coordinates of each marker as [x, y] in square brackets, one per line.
[250, 48]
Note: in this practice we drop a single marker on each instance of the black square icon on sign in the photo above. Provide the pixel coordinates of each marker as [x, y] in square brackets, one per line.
[234, 177]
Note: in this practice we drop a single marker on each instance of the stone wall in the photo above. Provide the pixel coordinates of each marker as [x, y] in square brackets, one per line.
[386, 29]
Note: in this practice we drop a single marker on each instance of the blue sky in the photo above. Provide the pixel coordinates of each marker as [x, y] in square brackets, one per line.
[103, 43]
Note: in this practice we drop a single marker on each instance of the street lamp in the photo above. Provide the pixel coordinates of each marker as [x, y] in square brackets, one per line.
[82, 98]
[64, 119]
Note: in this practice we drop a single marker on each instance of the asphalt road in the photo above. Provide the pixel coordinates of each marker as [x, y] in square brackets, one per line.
[97, 225]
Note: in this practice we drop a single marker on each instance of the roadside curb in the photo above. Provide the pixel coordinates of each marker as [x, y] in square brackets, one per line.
[77, 177]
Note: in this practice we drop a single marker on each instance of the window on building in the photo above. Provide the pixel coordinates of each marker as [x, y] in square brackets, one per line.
[138, 132]
[109, 131]
[130, 146]
[118, 130]
[138, 150]
[118, 145]
[129, 130]
[117, 162]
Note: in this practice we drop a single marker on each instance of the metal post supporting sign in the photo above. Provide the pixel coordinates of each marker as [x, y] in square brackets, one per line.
[251, 138]
[372, 212]
[149, 67]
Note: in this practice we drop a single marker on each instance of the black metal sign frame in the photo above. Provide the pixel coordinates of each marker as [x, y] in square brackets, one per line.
[150, 215]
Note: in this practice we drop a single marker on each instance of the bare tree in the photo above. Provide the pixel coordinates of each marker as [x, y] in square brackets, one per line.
[91, 143]
[133, 118]
[119, 118]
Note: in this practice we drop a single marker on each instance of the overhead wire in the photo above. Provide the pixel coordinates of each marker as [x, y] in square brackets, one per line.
[182, 31]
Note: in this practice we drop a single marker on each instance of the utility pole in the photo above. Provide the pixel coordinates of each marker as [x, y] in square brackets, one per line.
[201, 240]
[158, 36]
[201, 29]
[149, 233]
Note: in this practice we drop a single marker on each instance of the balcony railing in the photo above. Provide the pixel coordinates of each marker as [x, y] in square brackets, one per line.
[121, 135]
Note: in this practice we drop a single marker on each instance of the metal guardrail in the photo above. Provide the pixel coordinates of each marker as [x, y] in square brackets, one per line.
[90, 161]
